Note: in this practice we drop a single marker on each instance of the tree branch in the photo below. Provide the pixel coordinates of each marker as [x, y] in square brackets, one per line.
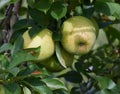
[5, 23]
[14, 17]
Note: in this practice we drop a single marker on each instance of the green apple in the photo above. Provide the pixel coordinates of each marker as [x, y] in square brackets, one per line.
[42, 39]
[52, 64]
[27, 39]
[78, 35]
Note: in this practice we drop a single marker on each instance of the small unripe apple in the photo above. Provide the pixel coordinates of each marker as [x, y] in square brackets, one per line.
[52, 64]
[78, 35]
[42, 39]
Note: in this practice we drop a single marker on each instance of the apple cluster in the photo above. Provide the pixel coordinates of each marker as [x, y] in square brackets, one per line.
[78, 37]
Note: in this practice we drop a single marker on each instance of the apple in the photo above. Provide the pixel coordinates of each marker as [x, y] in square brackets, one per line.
[52, 64]
[27, 39]
[78, 35]
[42, 39]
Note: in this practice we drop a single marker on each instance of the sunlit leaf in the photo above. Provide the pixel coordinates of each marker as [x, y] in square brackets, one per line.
[20, 57]
[38, 86]
[101, 39]
[78, 10]
[3, 3]
[104, 91]
[26, 90]
[105, 83]
[59, 55]
[14, 71]
[54, 83]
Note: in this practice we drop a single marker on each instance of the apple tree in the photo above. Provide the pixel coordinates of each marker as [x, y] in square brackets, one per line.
[59, 46]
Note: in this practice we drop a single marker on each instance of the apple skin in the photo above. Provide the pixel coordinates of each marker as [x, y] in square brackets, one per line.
[42, 39]
[27, 39]
[52, 64]
[78, 35]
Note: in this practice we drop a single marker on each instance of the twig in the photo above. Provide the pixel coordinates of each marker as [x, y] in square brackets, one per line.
[14, 17]
[7, 14]
[16, 9]
[5, 23]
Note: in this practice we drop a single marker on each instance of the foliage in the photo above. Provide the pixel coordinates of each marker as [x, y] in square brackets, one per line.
[94, 73]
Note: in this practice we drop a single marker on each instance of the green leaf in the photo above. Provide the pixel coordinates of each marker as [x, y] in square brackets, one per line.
[12, 88]
[24, 71]
[5, 47]
[14, 71]
[13, 1]
[88, 10]
[104, 91]
[60, 91]
[108, 8]
[38, 86]
[78, 10]
[3, 62]
[3, 3]
[75, 90]
[39, 17]
[34, 30]
[58, 10]
[23, 23]
[54, 83]
[113, 32]
[59, 55]
[26, 90]
[31, 3]
[56, 36]
[17, 33]
[20, 57]
[116, 89]
[18, 45]
[101, 39]
[73, 76]
[105, 83]
[43, 5]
